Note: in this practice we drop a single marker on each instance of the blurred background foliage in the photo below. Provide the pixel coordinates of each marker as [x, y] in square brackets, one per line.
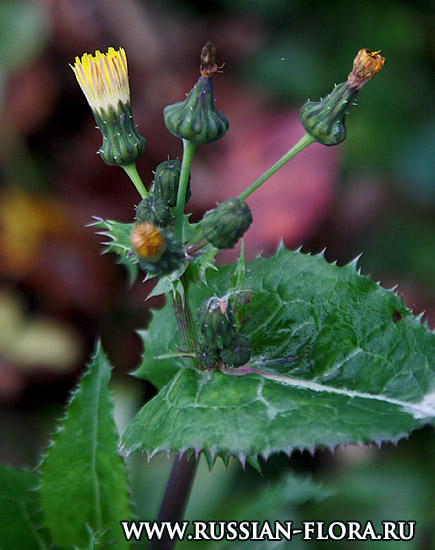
[374, 194]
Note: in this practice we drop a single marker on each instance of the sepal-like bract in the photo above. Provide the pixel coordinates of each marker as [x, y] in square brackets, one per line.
[238, 352]
[167, 177]
[154, 210]
[216, 322]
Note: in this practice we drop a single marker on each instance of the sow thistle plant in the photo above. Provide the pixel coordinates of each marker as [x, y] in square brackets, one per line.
[281, 354]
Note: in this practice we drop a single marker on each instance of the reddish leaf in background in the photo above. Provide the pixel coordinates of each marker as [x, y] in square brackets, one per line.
[293, 202]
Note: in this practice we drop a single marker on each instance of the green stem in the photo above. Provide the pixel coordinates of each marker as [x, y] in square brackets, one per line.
[188, 152]
[185, 324]
[136, 179]
[304, 142]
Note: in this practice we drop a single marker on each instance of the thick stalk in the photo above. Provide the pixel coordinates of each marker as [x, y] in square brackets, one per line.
[304, 142]
[188, 152]
[183, 315]
[136, 179]
[176, 496]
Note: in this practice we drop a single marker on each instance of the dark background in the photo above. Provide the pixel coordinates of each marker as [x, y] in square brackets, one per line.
[374, 194]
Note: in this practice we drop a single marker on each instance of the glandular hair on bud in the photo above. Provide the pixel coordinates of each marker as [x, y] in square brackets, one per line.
[225, 225]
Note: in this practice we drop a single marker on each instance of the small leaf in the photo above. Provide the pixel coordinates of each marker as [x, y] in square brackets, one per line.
[84, 484]
[20, 516]
[119, 244]
[332, 363]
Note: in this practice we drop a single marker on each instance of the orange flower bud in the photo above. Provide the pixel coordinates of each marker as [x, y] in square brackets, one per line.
[148, 241]
[365, 66]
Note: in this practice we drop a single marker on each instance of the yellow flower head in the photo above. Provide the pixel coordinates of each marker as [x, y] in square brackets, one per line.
[103, 78]
[148, 241]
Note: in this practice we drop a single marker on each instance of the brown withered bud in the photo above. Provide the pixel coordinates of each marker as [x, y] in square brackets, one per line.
[208, 66]
[366, 64]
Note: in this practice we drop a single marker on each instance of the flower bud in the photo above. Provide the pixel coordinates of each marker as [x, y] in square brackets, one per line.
[207, 356]
[238, 352]
[216, 323]
[103, 79]
[324, 120]
[166, 178]
[154, 210]
[196, 118]
[158, 252]
[224, 225]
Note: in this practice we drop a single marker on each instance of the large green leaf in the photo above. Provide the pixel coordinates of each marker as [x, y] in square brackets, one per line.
[336, 359]
[20, 516]
[84, 485]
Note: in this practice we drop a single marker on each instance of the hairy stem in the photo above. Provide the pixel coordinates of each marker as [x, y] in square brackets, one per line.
[183, 315]
[188, 152]
[136, 179]
[176, 496]
[301, 144]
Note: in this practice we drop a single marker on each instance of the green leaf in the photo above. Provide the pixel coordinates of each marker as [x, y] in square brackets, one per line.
[119, 244]
[20, 516]
[84, 485]
[336, 359]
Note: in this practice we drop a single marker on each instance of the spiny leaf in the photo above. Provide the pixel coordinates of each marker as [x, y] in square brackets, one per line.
[336, 359]
[20, 516]
[84, 484]
[119, 244]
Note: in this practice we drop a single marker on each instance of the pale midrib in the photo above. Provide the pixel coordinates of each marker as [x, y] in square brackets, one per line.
[423, 409]
[94, 445]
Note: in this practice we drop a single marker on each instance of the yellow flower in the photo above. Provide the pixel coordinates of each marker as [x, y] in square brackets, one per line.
[103, 78]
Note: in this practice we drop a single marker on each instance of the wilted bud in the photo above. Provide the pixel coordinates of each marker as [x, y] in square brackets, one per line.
[224, 225]
[196, 118]
[159, 253]
[238, 352]
[216, 322]
[166, 178]
[207, 356]
[103, 79]
[154, 210]
[324, 120]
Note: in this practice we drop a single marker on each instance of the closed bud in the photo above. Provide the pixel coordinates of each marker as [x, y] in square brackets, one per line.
[197, 119]
[103, 79]
[216, 322]
[154, 210]
[166, 178]
[324, 120]
[238, 352]
[224, 225]
[207, 356]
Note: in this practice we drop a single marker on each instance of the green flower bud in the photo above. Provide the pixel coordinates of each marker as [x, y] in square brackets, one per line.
[167, 177]
[224, 225]
[196, 118]
[324, 120]
[103, 79]
[155, 210]
[216, 322]
[238, 352]
[207, 356]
